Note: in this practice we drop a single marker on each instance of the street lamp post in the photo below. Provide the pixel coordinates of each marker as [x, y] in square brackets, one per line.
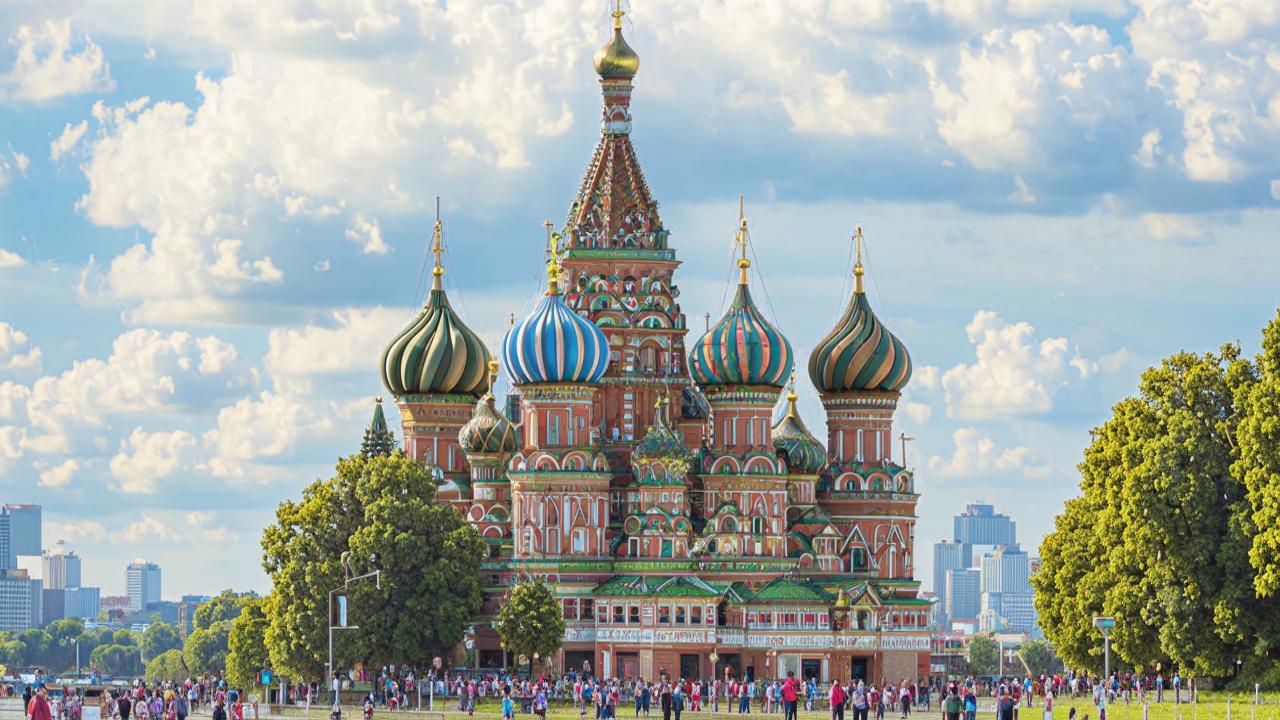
[76, 641]
[377, 576]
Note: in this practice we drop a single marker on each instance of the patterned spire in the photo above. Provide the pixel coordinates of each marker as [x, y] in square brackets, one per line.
[614, 208]
[378, 439]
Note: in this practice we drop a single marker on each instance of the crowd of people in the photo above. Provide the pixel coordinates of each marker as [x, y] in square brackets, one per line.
[604, 699]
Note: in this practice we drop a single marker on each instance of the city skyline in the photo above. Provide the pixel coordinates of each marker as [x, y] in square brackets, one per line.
[189, 336]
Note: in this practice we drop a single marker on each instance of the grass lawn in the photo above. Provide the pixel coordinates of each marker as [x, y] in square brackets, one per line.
[1212, 706]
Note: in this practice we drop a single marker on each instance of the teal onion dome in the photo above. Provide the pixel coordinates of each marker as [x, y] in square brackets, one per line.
[661, 441]
[436, 353]
[741, 349]
[859, 354]
[803, 452]
[488, 432]
[555, 345]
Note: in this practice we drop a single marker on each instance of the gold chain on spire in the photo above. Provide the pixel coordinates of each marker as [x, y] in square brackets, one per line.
[553, 260]
[741, 239]
[617, 14]
[858, 270]
[437, 247]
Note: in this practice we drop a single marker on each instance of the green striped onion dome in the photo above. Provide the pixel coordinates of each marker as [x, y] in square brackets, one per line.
[859, 354]
[741, 349]
[436, 353]
[488, 432]
[803, 452]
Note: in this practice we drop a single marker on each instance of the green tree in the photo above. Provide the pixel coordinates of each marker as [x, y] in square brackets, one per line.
[247, 644]
[13, 653]
[430, 585]
[124, 637]
[224, 607]
[983, 655]
[64, 628]
[1259, 461]
[159, 638]
[1160, 537]
[530, 621]
[1038, 657]
[36, 642]
[167, 665]
[116, 660]
[206, 648]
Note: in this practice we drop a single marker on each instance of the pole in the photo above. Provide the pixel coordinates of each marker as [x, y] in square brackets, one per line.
[1106, 662]
[330, 675]
[77, 642]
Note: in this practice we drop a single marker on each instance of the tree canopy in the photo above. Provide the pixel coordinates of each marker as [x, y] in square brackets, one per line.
[983, 655]
[247, 645]
[168, 665]
[430, 585]
[159, 638]
[1173, 531]
[530, 621]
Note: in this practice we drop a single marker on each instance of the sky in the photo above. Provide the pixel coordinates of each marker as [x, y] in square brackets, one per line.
[215, 213]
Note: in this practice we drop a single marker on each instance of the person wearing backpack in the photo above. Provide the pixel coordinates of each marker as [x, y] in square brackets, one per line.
[952, 706]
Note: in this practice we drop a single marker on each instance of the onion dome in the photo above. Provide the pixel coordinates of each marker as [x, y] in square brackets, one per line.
[555, 344]
[803, 452]
[742, 348]
[661, 441]
[859, 354]
[616, 59]
[436, 353]
[488, 432]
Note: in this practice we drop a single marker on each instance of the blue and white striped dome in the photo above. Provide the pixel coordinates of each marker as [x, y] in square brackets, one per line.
[555, 345]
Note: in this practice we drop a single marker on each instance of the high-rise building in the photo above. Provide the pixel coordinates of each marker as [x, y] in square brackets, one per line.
[21, 600]
[963, 595]
[53, 605]
[82, 602]
[1006, 569]
[8, 559]
[1008, 612]
[143, 584]
[946, 556]
[61, 568]
[24, 528]
[980, 524]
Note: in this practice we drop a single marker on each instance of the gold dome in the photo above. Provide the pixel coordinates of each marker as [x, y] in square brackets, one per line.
[616, 58]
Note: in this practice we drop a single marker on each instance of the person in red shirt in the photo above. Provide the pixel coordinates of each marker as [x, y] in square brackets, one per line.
[38, 709]
[790, 694]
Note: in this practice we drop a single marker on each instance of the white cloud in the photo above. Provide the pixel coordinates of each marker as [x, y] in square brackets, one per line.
[976, 453]
[48, 67]
[352, 341]
[16, 351]
[368, 235]
[918, 412]
[78, 531]
[57, 476]
[9, 259]
[21, 161]
[70, 136]
[147, 372]
[146, 457]
[1023, 97]
[1149, 150]
[264, 427]
[1172, 226]
[1014, 375]
[1275, 195]
[321, 266]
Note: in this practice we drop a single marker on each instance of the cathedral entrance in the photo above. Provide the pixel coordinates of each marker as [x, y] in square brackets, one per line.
[858, 668]
[689, 666]
[628, 666]
[811, 668]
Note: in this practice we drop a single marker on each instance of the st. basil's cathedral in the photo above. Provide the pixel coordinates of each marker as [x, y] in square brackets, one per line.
[684, 531]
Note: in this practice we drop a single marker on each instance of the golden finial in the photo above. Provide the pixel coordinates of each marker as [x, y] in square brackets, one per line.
[858, 270]
[617, 14]
[437, 246]
[553, 260]
[791, 395]
[378, 399]
[741, 240]
[493, 375]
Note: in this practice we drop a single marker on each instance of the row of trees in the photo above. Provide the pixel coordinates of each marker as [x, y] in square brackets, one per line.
[1034, 657]
[1176, 532]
